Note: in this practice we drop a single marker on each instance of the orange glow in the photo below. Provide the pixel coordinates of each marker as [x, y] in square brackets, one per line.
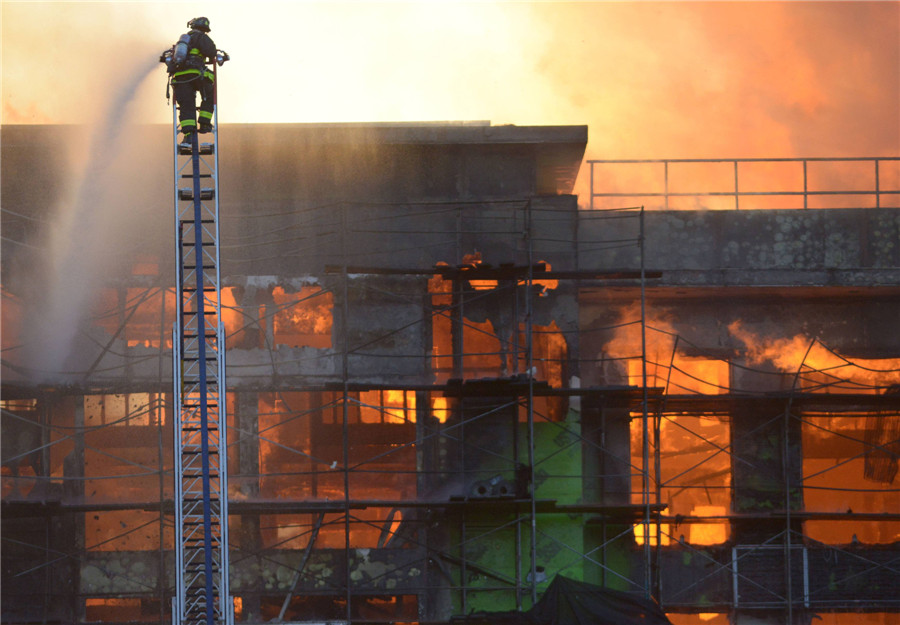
[19, 485]
[481, 350]
[441, 326]
[548, 285]
[95, 602]
[112, 610]
[123, 410]
[549, 361]
[232, 318]
[686, 375]
[301, 319]
[485, 354]
[639, 532]
[294, 531]
[708, 533]
[699, 375]
[304, 318]
[746, 185]
[141, 312]
[549, 352]
[473, 261]
[820, 369]
[666, 367]
[388, 406]
[483, 285]
[695, 474]
[702, 618]
[284, 447]
[834, 471]
[440, 409]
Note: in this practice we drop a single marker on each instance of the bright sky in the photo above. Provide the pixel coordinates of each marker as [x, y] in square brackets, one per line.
[652, 80]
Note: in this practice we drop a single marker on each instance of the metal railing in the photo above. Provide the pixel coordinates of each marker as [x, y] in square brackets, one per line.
[813, 178]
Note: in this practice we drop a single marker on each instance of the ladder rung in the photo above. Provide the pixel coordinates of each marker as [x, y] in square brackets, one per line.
[199, 568]
[191, 222]
[188, 194]
[203, 148]
[198, 175]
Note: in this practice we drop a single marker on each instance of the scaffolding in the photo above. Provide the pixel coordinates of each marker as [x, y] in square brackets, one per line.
[462, 475]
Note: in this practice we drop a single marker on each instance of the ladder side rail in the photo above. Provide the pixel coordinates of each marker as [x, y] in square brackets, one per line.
[177, 344]
[227, 604]
[201, 356]
[178, 602]
[225, 597]
[215, 173]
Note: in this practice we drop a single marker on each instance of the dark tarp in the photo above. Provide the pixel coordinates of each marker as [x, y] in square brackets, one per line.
[570, 602]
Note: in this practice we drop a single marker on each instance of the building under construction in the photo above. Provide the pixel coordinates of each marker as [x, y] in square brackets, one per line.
[450, 384]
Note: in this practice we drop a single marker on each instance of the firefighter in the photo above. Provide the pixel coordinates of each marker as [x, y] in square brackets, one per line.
[193, 75]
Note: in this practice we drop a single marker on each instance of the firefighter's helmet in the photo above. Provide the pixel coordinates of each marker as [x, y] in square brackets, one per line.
[199, 23]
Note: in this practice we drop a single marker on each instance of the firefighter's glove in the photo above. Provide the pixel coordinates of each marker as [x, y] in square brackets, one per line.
[221, 57]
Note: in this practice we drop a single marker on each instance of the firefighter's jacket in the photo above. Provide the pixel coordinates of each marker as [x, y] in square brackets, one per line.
[201, 51]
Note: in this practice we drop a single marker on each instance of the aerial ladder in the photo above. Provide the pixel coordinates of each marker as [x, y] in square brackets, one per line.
[201, 459]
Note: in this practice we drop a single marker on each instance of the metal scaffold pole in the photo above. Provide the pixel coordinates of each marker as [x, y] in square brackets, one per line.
[201, 490]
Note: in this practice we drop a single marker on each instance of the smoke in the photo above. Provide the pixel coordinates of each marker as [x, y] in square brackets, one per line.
[86, 228]
[724, 79]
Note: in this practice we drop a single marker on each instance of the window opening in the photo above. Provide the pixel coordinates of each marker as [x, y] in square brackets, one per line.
[835, 480]
[695, 475]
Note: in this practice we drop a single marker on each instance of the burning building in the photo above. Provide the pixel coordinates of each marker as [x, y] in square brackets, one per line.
[448, 385]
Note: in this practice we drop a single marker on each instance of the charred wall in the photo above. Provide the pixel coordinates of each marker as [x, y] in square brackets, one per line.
[791, 248]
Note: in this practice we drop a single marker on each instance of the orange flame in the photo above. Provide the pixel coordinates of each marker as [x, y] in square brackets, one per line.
[819, 368]
[667, 366]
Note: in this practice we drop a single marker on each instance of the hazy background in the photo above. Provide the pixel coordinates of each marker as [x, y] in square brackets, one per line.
[669, 79]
